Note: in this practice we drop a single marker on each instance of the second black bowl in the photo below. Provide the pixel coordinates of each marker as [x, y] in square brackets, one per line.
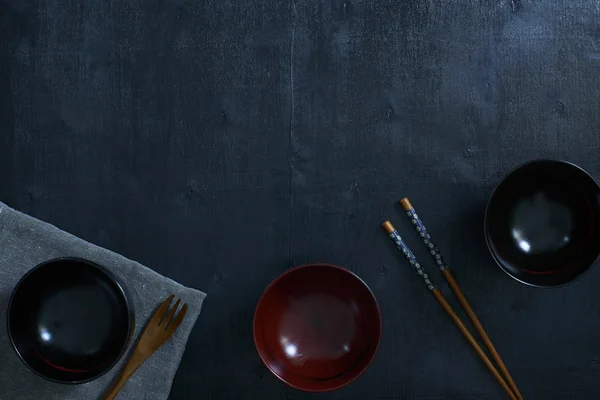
[542, 223]
[69, 320]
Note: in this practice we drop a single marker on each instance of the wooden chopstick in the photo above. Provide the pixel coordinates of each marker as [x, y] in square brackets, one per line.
[393, 234]
[435, 253]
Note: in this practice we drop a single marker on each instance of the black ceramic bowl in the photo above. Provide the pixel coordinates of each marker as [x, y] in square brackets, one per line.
[542, 223]
[69, 320]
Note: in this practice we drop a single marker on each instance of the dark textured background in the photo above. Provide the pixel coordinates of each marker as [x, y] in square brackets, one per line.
[221, 142]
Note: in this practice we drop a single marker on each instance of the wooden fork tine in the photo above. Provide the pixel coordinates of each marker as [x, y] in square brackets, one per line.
[162, 309]
[177, 320]
[169, 315]
[150, 341]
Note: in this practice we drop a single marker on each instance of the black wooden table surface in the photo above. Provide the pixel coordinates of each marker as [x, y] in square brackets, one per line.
[221, 142]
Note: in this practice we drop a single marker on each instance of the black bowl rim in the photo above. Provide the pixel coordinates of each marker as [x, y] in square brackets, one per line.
[121, 290]
[485, 222]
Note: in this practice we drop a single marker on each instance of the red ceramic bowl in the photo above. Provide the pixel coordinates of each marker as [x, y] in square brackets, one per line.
[317, 327]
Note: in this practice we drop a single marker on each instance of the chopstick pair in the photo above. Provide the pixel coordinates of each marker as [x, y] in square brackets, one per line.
[510, 387]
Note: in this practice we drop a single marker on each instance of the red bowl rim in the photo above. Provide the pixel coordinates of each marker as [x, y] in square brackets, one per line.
[276, 280]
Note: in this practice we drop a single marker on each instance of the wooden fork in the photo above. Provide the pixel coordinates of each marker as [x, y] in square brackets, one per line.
[159, 329]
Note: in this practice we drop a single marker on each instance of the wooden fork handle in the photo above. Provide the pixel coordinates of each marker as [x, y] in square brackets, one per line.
[134, 362]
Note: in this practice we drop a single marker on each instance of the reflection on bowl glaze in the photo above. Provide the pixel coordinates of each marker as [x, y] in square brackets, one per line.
[318, 327]
[541, 225]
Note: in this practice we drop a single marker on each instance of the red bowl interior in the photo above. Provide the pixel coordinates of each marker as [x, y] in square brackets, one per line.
[317, 327]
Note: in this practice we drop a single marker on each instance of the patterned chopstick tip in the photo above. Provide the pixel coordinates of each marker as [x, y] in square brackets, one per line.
[393, 234]
[425, 237]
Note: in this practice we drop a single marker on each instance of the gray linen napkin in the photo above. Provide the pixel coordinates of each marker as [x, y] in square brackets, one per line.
[24, 243]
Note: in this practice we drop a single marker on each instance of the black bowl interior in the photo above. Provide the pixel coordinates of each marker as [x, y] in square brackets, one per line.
[69, 320]
[541, 223]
